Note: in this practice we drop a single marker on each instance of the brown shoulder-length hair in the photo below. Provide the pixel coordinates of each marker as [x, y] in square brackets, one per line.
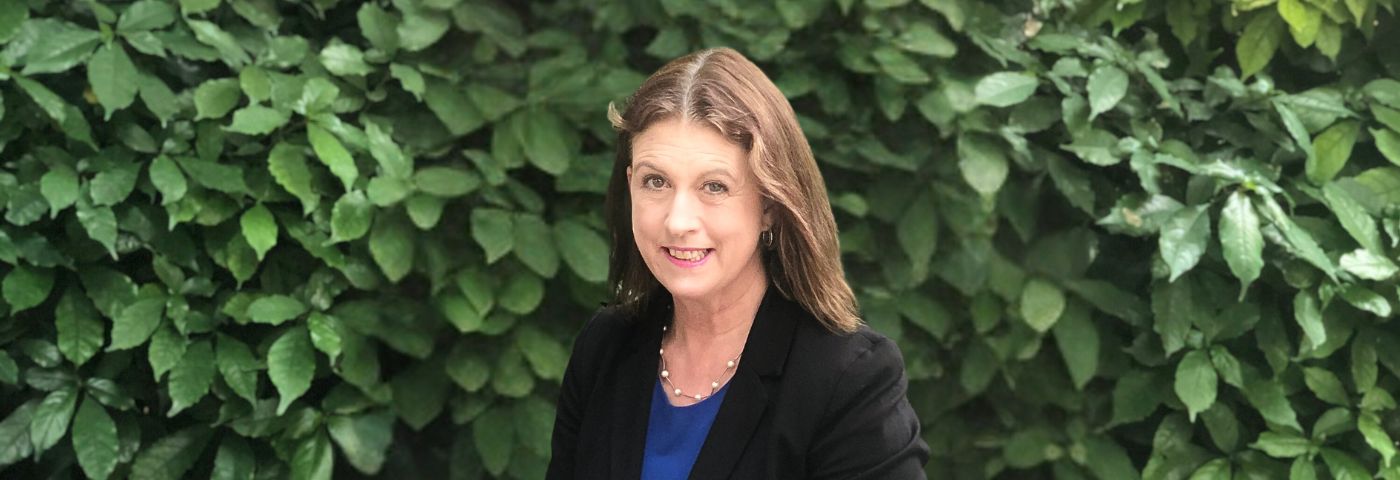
[720, 88]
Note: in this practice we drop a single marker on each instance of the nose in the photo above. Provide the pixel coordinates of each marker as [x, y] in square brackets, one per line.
[683, 215]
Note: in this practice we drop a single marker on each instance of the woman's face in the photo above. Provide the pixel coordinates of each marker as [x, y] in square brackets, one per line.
[696, 211]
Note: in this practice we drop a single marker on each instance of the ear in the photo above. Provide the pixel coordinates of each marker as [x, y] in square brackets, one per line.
[629, 174]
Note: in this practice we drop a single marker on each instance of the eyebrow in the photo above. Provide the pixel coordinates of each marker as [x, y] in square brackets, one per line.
[717, 170]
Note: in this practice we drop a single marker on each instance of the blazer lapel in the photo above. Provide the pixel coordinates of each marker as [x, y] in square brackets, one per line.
[746, 399]
[636, 380]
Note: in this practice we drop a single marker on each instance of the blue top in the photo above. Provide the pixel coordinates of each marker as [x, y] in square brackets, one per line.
[675, 434]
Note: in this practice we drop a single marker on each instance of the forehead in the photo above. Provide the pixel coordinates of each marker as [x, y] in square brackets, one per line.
[672, 143]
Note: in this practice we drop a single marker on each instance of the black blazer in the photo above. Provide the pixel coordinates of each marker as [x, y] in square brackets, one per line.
[804, 402]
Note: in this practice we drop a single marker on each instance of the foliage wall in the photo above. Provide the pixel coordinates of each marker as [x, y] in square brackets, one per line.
[1115, 239]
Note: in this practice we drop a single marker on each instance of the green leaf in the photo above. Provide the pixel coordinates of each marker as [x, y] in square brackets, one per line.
[287, 163]
[534, 245]
[923, 38]
[100, 223]
[1218, 469]
[146, 15]
[450, 104]
[1078, 342]
[410, 79]
[363, 438]
[1343, 466]
[1368, 265]
[1196, 382]
[191, 378]
[13, 14]
[171, 456]
[1376, 437]
[234, 460]
[1309, 316]
[168, 179]
[467, 368]
[210, 34]
[1107, 86]
[1352, 216]
[1096, 147]
[983, 163]
[1366, 300]
[259, 229]
[1282, 445]
[425, 210]
[1333, 148]
[111, 186]
[522, 293]
[446, 182]
[59, 47]
[1004, 89]
[14, 433]
[50, 102]
[351, 217]
[95, 440]
[1388, 142]
[1259, 42]
[1183, 239]
[215, 98]
[198, 6]
[392, 247]
[290, 364]
[343, 59]
[1268, 398]
[1041, 304]
[275, 309]
[391, 158]
[1303, 20]
[238, 367]
[60, 187]
[916, 230]
[136, 323]
[378, 26]
[80, 330]
[899, 66]
[27, 287]
[580, 247]
[166, 349]
[547, 357]
[493, 229]
[387, 191]
[549, 143]
[334, 155]
[1326, 386]
[158, 98]
[313, 459]
[494, 433]
[257, 120]
[1241, 240]
[113, 78]
[51, 419]
[325, 334]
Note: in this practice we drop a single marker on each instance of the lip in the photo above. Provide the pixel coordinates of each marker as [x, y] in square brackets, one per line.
[687, 264]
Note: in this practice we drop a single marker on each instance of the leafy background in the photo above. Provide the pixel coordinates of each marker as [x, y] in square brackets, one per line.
[1115, 239]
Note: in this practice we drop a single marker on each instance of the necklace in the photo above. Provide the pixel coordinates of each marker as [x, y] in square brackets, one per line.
[666, 374]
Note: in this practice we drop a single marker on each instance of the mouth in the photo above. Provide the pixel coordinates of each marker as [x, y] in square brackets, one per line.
[688, 257]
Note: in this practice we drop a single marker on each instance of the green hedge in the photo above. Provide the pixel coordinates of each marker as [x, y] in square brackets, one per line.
[1115, 239]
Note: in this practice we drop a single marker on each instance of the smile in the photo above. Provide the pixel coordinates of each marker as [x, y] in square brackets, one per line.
[688, 257]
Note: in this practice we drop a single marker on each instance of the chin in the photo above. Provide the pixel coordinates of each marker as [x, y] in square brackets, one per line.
[687, 288]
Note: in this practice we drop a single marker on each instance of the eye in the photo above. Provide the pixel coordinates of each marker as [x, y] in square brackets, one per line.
[653, 182]
[715, 187]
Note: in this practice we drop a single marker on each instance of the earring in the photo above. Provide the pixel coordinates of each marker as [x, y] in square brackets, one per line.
[766, 237]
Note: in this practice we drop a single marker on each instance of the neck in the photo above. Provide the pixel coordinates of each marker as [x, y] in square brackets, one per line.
[717, 322]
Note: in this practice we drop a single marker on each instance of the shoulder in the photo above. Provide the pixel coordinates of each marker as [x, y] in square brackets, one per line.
[607, 326]
[821, 352]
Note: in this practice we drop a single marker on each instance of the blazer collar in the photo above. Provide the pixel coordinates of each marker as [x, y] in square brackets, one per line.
[745, 401]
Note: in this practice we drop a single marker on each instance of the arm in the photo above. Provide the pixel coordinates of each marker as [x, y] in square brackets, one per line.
[868, 430]
[568, 414]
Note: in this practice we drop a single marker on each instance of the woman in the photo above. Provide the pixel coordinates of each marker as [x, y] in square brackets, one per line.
[732, 348]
